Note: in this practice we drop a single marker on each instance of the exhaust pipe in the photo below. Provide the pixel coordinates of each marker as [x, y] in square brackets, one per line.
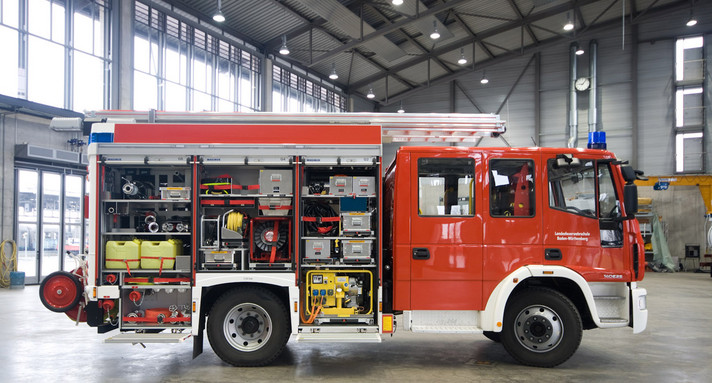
[592, 99]
[573, 113]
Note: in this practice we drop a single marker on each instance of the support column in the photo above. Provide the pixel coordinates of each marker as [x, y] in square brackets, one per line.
[266, 93]
[122, 20]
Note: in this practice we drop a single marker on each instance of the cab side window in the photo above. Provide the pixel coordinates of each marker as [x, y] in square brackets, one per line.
[446, 186]
[572, 187]
[512, 191]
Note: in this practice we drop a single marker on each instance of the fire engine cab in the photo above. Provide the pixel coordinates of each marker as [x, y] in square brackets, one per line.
[254, 228]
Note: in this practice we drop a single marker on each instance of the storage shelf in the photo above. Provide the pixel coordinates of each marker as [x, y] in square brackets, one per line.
[336, 266]
[144, 271]
[147, 200]
[348, 238]
[141, 233]
[246, 196]
[153, 286]
[309, 196]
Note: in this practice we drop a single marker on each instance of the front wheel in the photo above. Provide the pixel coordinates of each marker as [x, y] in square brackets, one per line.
[248, 327]
[542, 328]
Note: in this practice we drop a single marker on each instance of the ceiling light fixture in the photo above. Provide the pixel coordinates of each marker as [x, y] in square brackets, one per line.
[397, 2]
[218, 16]
[283, 50]
[569, 23]
[333, 74]
[579, 51]
[692, 21]
[484, 79]
[435, 35]
[400, 109]
[370, 94]
[462, 60]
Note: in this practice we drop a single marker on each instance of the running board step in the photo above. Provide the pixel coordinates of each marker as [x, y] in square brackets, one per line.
[339, 337]
[614, 320]
[447, 329]
[148, 338]
[608, 298]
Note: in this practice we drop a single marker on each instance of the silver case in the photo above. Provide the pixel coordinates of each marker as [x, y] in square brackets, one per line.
[364, 186]
[317, 249]
[340, 185]
[275, 181]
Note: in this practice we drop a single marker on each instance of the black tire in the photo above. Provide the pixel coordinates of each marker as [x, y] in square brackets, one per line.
[60, 291]
[542, 328]
[267, 322]
[493, 336]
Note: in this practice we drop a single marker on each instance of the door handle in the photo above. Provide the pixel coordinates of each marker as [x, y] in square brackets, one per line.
[421, 253]
[552, 255]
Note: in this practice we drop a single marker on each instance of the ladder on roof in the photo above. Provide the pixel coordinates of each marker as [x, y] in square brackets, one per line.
[396, 127]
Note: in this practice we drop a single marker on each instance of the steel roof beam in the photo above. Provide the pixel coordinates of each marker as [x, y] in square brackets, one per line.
[468, 40]
[387, 29]
[472, 34]
[662, 10]
[410, 38]
[521, 17]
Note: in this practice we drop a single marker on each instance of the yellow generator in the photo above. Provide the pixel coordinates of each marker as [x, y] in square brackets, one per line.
[339, 296]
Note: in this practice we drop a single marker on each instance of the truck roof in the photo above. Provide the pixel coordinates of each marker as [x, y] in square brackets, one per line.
[531, 150]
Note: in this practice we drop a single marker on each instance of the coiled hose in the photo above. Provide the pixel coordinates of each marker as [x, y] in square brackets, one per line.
[234, 221]
[7, 265]
[320, 210]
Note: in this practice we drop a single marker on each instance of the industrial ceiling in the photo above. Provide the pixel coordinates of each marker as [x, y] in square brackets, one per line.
[387, 48]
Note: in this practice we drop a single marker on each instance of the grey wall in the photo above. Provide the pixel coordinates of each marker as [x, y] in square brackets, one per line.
[643, 65]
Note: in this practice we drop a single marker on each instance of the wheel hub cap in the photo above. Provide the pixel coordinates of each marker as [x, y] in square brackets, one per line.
[538, 328]
[247, 327]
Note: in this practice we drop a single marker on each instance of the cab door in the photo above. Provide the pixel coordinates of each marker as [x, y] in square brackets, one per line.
[512, 219]
[582, 222]
[446, 231]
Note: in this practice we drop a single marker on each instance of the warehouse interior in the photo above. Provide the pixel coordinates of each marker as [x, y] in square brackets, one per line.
[555, 70]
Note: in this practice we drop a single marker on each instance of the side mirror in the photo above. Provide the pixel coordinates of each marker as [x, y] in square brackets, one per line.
[628, 173]
[630, 199]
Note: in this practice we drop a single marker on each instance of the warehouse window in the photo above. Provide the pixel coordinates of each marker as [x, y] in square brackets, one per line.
[178, 67]
[294, 92]
[41, 63]
[689, 105]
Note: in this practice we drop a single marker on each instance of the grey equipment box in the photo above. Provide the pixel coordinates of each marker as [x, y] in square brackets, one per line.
[364, 186]
[275, 181]
[340, 185]
[317, 250]
[275, 206]
[357, 251]
[175, 193]
[226, 259]
[356, 223]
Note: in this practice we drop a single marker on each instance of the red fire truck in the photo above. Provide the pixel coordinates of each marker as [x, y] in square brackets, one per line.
[254, 228]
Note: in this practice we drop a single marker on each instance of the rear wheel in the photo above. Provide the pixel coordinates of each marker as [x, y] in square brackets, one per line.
[542, 328]
[248, 327]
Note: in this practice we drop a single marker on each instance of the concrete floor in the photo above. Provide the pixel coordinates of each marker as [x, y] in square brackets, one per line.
[41, 346]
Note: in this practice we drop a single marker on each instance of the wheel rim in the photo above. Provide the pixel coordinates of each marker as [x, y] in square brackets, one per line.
[60, 292]
[247, 327]
[538, 328]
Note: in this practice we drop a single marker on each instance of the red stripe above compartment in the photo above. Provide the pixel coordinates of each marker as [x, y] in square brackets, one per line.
[248, 134]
